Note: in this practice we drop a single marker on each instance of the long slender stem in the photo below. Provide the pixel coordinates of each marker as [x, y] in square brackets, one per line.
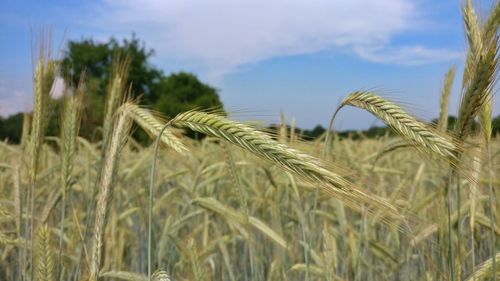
[492, 210]
[61, 244]
[451, 258]
[151, 190]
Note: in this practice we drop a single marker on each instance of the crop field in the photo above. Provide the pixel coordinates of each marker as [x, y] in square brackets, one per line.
[248, 203]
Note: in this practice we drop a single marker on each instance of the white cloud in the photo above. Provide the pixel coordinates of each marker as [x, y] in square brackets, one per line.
[219, 36]
[14, 103]
[407, 55]
[14, 95]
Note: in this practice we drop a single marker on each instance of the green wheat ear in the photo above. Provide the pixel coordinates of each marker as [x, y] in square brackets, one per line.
[119, 136]
[420, 135]
[480, 68]
[298, 163]
[44, 259]
[147, 121]
[445, 97]
[115, 92]
[161, 275]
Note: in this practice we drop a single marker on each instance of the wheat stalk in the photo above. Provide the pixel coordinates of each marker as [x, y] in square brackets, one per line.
[45, 264]
[414, 131]
[43, 78]
[105, 185]
[479, 74]
[153, 126]
[123, 275]
[196, 267]
[473, 34]
[484, 270]
[73, 104]
[262, 145]
[115, 93]
[490, 27]
[445, 97]
[161, 275]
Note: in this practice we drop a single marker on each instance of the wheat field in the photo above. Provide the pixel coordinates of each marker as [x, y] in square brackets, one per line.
[246, 203]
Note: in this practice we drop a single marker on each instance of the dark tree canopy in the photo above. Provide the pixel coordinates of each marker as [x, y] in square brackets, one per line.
[96, 59]
[11, 128]
[169, 95]
[182, 92]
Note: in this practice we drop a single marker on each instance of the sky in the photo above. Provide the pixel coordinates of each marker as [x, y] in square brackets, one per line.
[264, 57]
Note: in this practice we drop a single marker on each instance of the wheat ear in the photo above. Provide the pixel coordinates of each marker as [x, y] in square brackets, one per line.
[490, 27]
[43, 78]
[73, 104]
[115, 92]
[161, 275]
[303, 165]
[479, 74]
[445, 97]
[44, 262]
[105, 185]
[473, 34]
[484, 270]
[153, 126]
[414, 131]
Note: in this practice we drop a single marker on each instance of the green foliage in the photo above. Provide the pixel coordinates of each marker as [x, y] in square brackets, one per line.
[182, 92]
[96, 60]
[315, 132]
[11, 127]
[169, 95]
[496, 125]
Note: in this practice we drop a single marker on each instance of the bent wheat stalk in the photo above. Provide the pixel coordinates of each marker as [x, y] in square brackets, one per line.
[414, 131]
[303, 165]
[153, 126]
[484, 270]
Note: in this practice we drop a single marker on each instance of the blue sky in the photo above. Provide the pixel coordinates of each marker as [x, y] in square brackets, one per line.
[299, 57]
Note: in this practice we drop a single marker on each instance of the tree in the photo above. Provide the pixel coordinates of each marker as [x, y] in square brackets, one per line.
[11, 127]
[496, 125]
[182, 92]
[96, 60]
[166, 94]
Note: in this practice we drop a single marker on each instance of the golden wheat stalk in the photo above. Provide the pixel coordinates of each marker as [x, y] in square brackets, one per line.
[485, 117]
[146, 120]
[480, 71]
[196, 267]
[301, 164]
[473, 34]
[445, 97]
[105, 185]
[115, 92]
[490, 27]
[73, 104]
[123, 275]
[42, 85]
[25, 134]
[232, 215]
[161, 275]
[417, 133]
[44, 260]
[484, 270]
